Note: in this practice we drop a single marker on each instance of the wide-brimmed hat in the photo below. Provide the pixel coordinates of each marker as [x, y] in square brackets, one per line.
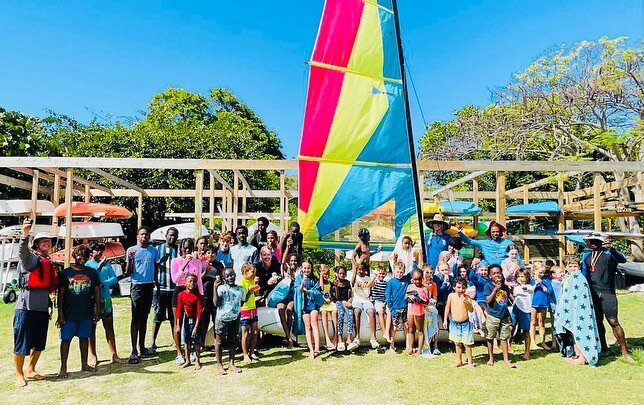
[438, 219]
[494, 223]
[43, 235]
[598, 236]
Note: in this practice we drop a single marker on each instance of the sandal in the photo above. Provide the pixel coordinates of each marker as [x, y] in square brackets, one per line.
[134, 359]
[330, 347]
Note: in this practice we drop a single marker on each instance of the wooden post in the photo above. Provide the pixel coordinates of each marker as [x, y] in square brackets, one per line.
[283, 201]
[475, 200]
[570, 225]
[34, 197]
[88, 194]
[224, 209]
[69, 188]
[526, 227]
[235, 200]
[244, 194]
[229, 210]
[500, 197]
[561, 221]
[211, 203]
[55, 199]
[597, 208]
[198, 202]
[139, 211]
[337, 252]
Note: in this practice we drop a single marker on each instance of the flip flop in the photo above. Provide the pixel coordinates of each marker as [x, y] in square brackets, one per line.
[134, 359]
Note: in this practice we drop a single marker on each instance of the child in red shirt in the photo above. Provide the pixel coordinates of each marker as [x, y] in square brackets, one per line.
[190, 304]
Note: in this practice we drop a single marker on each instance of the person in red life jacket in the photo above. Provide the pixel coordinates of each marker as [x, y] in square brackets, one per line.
[38, 278]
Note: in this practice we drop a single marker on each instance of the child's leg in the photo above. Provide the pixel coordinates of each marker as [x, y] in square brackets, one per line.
[490, 352]
[232, 329]
[197, 356]
[506, 355]
[281, 310]
[372, 322]
[64, 354]
[419, 321]
[533, 324]
[334, 321]
[93, 357]
[289, 322]
[254, 332]
[357, 312]
[325, 328]
[83, 344]
[553, 345]
[108, 325]
[220, 366]
[316, 330]
[340, 328]
[386, 324]
[542, 327]
[350, 324]
[459, 355]
[244, 343]
[186, 348]
[309, 338]
[468, 353]
[177, 337]
[526, 352]
[410, 330]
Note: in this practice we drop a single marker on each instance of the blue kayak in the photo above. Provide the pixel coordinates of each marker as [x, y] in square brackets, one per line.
[544, 208]
[459, 208]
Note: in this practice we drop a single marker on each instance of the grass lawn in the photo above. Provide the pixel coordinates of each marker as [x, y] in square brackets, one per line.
[363, 377]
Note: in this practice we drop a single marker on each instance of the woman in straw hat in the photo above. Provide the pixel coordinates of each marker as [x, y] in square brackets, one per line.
[438, 240]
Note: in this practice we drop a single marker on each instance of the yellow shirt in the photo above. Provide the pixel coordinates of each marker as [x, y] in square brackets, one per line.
[246, 284]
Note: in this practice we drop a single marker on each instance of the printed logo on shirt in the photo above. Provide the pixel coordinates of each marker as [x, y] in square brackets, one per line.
[501, 296]
[79, 284]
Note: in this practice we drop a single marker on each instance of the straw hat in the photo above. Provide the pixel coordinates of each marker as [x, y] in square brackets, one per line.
[43, 235]
[438, 219]
[502, 228]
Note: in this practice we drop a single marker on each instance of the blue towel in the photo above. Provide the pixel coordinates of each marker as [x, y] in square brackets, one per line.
[298, 306]
[575, 313]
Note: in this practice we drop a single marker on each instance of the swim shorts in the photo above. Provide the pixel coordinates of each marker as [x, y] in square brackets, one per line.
[461, 332]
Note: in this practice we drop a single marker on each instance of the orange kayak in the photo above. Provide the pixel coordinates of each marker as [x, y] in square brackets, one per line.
[97, 210]
[113, 250]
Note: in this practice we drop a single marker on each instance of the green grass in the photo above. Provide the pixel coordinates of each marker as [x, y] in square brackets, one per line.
[363, 377]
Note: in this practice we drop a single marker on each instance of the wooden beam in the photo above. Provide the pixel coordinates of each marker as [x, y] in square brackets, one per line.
[34, 196]
[272, 216]
[606, 187]
[76, 179]
[224, 164]
[182, 193]
[41, 175]
[283, 201]
[211, 201]
[475, 200]
[117, 180]
[541, 182]
[500, 197]
[235, 200]
[526, 224]
[198, 201]
[21, 184]
[244, 182]
[55, 199]
[139, 211]
[244, 200]
[455, 183]
[68, 216]
[88, 195]
[561, 221]
[220, 179]
[597, 201]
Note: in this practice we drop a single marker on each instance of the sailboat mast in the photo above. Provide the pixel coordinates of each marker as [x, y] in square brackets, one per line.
[412, 152]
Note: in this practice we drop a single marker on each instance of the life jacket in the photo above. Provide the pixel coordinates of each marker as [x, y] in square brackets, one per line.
[43, 276]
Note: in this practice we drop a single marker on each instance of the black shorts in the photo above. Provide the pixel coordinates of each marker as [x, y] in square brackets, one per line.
[605, 304]
[141, 297]
[227, 329]
[399, 316]
[29, 331]
[175, 294]
[163, 306]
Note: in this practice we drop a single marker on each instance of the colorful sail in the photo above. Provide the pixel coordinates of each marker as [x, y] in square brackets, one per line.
[355, 153]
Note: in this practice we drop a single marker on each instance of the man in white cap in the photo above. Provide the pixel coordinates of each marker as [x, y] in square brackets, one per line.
[599, 266]
[494, 249]
[38, 278]
[438, 240]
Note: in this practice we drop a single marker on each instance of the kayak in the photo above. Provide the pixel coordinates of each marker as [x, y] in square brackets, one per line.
[186, 230]
[459, 208]
[23, 207]
[540, 208]
[96, 210]
[93, 230]
[113, 250]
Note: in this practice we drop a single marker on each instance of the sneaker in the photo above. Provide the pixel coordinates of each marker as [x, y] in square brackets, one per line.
[352, 346]
[193, 357]
[341, 347]
[179, 360]
[427, 356]
[374, 344]
[436, 352]
[356, 340]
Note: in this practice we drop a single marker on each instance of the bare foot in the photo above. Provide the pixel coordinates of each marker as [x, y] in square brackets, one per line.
[545, 346]
[220, 369]
[534, 347]
[32, 375]
[579, 361]
[234, 369]
[92, 361]
[186, 364]
[311, 356]
[510, 350]
[197, 365]
[457, 364]
[20, 381]
[391, 350]
[490, 362]
[471, 366]
[526, 355]
[407, 352]
[509, 364]
[117, 360]
[290, 343]
[627, 357]
[87, 367]
[387, 338]
[62, 374]
[247, 360]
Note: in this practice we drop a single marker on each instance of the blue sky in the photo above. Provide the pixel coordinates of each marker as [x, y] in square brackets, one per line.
[83, 58]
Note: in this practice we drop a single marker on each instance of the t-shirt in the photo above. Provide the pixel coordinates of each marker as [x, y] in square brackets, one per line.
[231, 298]
[224, 258]
[165, 274]
[341, 290]
[479, 282]
[540, 297]
[265, 275]
[258, 240]
[241, 254]
[523, 297]
[106, 275]
[195, 266]
[493, 251]
[601, 276]
[418, 308]
[499, 305]
[395, 292]
[435, 245]
[189, 303]
[443, 289]
[78, 295]
[432, 289]
[145, 259]
[360, 290]
[378, 290]
[250, 303]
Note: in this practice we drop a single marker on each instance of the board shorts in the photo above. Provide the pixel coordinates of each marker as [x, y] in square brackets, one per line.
[188, 326]
[247, 317]
[163, 306]
[379, 306]
[605, 304]
[107, 309]
[141, 297]
[497, 328]
[362, 305]
[29, 331]
[521, 319]
[227, 329]
[461, 332]
[399, 317]
[82, 329]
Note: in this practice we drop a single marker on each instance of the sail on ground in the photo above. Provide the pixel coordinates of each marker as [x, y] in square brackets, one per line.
[355, 152]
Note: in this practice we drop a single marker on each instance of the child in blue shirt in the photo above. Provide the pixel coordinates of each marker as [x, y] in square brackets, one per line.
[542, 293]
[498, 322]
[396, 305]
[479, 279]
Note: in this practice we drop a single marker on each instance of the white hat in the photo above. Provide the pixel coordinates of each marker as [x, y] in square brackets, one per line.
[43, 235]
[603, 238]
